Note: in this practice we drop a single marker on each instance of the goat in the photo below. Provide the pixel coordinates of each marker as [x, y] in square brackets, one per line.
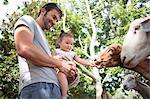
[136, 45]
[110, 57]
[130, 82]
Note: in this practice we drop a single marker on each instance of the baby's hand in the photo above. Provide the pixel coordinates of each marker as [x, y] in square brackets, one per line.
[91, 63]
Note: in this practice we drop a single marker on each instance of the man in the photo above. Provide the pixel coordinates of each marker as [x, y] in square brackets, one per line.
[38, 78]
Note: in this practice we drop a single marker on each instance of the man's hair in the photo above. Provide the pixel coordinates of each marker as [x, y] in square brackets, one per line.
[51, 6]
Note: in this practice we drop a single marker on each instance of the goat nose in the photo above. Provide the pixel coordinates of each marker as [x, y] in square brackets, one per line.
[125, 87]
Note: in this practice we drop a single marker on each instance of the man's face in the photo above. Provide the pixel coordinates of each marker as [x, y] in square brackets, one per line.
[50, 18]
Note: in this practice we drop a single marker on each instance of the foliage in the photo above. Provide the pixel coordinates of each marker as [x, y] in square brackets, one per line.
[5, 2]
[8, 60]
[111, 19]
[85, 88]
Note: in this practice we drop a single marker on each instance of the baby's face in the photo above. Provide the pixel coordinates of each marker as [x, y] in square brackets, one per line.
[66, 44]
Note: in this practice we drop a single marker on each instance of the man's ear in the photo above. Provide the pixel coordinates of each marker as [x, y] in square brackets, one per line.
[146, 24]
[43, 11]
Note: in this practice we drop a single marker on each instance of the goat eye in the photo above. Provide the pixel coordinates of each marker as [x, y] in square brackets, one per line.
[137, 27]
[131, 79]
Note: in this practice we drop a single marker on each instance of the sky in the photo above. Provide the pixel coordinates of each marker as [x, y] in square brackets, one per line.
[10, 8]
[13, 4]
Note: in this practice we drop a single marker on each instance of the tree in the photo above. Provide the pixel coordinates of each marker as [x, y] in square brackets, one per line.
[110, 23]
[8, 60]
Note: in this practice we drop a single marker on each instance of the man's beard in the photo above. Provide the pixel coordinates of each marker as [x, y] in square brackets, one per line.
[46, 25]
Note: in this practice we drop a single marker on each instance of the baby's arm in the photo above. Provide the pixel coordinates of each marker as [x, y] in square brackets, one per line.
[83, 61]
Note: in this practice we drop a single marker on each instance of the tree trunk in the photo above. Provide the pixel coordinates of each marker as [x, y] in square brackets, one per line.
[92, 53]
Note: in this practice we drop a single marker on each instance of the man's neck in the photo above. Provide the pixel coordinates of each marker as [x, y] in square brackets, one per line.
[38, 20]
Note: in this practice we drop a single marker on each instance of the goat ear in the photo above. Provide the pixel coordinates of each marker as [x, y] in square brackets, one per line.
[146, 24]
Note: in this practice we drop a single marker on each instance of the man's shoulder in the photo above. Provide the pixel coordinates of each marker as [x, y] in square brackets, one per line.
[27, 17]
[25, 20]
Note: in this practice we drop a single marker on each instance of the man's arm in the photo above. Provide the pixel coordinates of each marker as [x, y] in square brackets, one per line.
[26, 49]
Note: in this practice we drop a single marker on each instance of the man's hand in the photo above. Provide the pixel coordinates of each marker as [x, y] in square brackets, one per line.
[66, 67]
[58, 57]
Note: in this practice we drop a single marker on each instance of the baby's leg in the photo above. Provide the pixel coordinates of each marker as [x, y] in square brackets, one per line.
[63, 84]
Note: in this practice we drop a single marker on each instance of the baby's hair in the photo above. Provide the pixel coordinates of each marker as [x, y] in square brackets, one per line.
[64, 34]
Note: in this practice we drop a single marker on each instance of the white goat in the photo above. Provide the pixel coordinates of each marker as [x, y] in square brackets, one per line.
[136, 45]
[130, 82]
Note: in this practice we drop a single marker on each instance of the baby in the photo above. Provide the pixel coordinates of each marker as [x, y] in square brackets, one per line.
[65, 43]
